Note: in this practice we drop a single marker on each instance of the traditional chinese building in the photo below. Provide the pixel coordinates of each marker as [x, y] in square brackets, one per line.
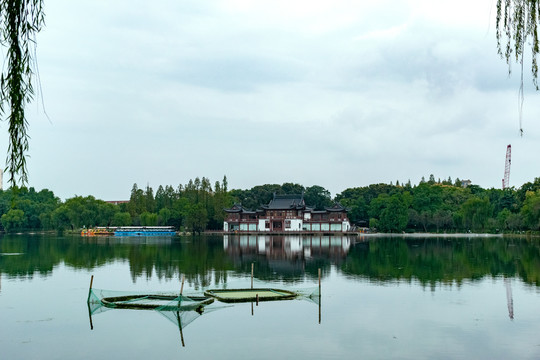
[286, 213]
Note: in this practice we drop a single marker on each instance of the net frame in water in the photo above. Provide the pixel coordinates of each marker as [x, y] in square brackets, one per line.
[144, 302]
[250, 295]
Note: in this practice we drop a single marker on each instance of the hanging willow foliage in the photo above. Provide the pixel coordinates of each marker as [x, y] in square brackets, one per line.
[20, 21]
[517, 25]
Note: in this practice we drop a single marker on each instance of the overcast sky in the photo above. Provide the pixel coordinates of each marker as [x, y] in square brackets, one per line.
[332, 93]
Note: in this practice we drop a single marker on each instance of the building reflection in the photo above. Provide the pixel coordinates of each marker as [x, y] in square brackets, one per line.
[288, 247]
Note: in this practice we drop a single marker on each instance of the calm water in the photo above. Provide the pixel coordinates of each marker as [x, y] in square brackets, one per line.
[402, 298]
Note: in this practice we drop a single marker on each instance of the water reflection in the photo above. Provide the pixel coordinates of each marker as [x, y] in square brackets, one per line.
[445, 260]
[288, 247]
[207, 259]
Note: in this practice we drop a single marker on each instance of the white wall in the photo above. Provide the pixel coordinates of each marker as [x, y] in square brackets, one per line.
[261, 225]
[296, 225]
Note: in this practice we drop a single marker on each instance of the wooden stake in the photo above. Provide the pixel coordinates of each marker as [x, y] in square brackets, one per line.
[319, 295]
[90, 289]
[319, 281]
[90, 316]
[257, 297]
[180, 327]
[252, 275]
[319, 309]
[182, 287]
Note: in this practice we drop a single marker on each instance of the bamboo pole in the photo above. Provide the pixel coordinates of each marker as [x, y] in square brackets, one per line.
[252, 275]
[90, 316]
[181, 291]
[90, 289]
[319, 295]
[319, 282]
[180, 327]
[319, 309]
[182, 287]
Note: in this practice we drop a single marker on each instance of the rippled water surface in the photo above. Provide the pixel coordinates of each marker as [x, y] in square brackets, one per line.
[381, 297]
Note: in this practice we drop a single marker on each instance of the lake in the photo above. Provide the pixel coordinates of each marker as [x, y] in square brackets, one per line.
[381, 297]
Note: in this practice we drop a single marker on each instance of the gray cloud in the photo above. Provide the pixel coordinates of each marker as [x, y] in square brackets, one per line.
[338, 94]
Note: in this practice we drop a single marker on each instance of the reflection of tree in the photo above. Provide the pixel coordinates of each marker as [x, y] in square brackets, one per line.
[442, 260]
[203, 259]
[287, 258]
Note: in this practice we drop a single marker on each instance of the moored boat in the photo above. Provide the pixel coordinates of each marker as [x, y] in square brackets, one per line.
[145, 231]
[97, 231]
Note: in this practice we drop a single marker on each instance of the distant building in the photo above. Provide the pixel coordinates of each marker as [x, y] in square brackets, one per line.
[117, 202]
[286, 213]
[465, 183]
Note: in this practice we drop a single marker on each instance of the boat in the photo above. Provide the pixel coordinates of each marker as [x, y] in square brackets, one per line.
[250, 295]
[97, 231]
[145, 231]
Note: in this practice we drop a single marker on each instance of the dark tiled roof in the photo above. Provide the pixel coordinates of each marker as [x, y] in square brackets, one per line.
[285, 202]
[238, 208]
[336, 208]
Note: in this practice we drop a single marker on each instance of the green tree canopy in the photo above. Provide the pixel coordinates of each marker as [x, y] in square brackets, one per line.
[13, 219]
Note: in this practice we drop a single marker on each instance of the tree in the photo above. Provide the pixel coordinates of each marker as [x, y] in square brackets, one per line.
[358, 213]
[476, 212]
[121, 219]
[160, 198]
[137, 201]
[442, 219]
[60, 218]
[196, 218]
[105, 213]
[149, 201]
[21, 21]
[318, 197]
[392, 211]
[518, 25]
[290, 188]
[531, 210]
[224, 183]
[149, 219]
[13, 219]
[163, 216]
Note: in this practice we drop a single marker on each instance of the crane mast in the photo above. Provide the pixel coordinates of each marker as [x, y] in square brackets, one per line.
[509, 298]
[506, 178]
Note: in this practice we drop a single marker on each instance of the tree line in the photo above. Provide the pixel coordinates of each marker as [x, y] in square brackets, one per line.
[444, 206]
[430, 206]
[431, 261]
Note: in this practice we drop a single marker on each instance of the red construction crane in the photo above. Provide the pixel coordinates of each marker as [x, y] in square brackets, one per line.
[506, 179]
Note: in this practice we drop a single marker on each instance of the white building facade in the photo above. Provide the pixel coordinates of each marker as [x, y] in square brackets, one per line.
[287, 214]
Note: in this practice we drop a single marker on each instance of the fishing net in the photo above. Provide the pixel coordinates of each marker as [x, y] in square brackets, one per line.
[112, 299]
[245, 290]
[183, 309]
